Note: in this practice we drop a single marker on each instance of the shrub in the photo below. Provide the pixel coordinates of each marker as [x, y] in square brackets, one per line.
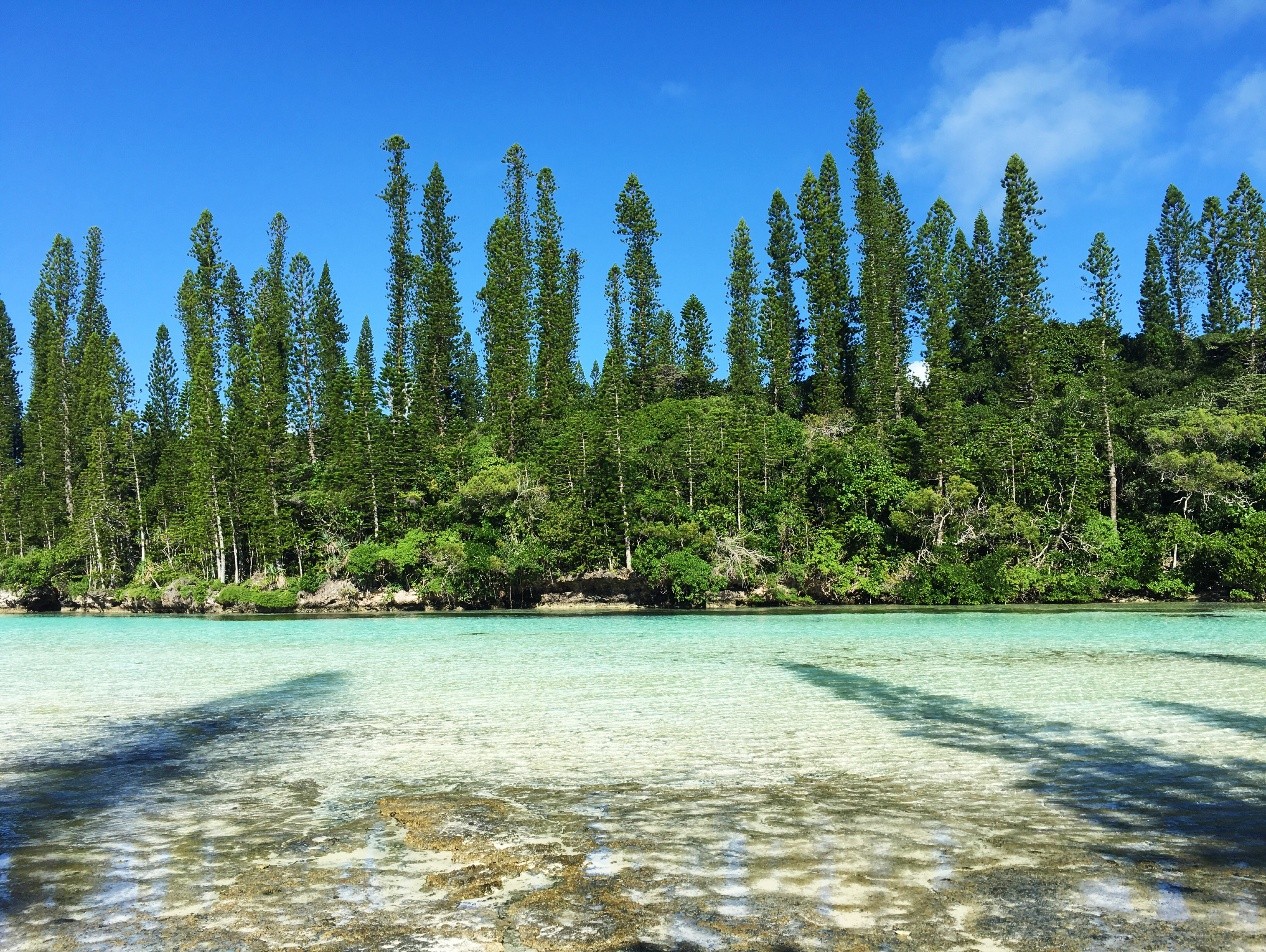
[263, 600]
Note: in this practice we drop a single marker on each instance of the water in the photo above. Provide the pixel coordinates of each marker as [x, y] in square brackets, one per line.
[887, 780]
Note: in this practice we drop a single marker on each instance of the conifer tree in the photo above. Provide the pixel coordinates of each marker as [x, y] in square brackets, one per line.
[1156, 315]
[48, 426]
[1178, 240]
[505, 326]
[439, 328]
[305, 391]
[782, 334]
[974, 335]
[163, 455]
[742, 341]
[1220, 259]
[198, 304]
[333, 379]
[555, 320]
[697, 365]
[1246, 223]
[937, 281]
[635, 224]
[883, 226]
[11, 522]
[828, 288]
[1023, 298]
[1102, 271]
[613, 390]
[400, 284]
[366, 421]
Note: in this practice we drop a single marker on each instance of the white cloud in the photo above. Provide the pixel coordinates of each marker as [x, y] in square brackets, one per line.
[1233, 120]
[674, 89]
[1041, 90]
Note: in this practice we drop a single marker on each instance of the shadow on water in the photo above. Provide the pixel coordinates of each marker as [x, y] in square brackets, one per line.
[67, 786]
[1140, 789]
[1252, 724]
[1247, 661]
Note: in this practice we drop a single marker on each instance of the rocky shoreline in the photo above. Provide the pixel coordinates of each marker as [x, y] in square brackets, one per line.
[606, 591]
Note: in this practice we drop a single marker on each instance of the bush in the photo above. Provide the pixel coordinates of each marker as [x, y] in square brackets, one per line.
[689, 578]
[262, 600]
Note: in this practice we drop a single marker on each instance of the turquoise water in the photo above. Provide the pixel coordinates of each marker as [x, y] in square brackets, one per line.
[920, 779]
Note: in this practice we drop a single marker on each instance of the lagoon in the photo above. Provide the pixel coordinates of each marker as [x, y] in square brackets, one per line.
[986, 779]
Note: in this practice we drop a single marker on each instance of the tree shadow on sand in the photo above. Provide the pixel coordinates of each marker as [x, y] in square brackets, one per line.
[1217, 808]
[1252, 724]
[69, 785]
[1246, 661]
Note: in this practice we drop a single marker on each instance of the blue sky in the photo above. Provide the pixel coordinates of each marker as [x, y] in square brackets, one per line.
[136, 117]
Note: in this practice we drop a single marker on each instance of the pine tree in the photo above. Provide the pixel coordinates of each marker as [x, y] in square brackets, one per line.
[555, 319]
[198, 304]
[48, 424]
[613, 390]
[884, 227]
[505, 327]
[333, 380]
[974, 337]
[782, 334]
[1156, 315]
[439, 329]
[400, 282]
[1246, 224]
[1220, 260]
[635, 224]
[163, 454]
[367, 427]
[305, 371]
[1024, 303]
[697, 365]
[1102, 271]
[1178, 239]
[742, 342]
[828, 288]
[11, 507]
[937, 280]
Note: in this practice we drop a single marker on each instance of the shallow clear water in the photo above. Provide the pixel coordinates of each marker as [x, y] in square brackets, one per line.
[898, 779]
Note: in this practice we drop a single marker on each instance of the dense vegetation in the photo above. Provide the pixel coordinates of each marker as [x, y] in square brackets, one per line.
[1030, 459]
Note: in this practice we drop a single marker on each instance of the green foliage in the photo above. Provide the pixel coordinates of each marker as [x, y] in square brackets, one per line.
[256, 599]
[1035, 459]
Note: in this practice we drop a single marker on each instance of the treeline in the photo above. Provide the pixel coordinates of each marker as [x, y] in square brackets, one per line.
[1028, 458]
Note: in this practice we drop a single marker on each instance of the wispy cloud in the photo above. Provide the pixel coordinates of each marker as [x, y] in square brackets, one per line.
[1233, 120]
[1043, 90]
[674, 89]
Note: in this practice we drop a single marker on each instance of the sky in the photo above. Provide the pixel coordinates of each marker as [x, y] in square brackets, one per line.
[135, 117]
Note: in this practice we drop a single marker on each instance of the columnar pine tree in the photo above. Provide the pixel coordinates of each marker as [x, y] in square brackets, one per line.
[400, 285]
[505, 326]
[742, 341]
[1220, 261]
[163, 456]
[305, 387]
[198, 304]
[1023, 299]
[333, 383]
[974, 338]
[1159, 336]
[367, 431]
[613, 391]
[1102, 271]
[1178, 240]
[635, 224]
[438, 338]
[782, 334]
[48, 427]
[555, 318]
[937, 281]
[11, 509]
[697, 365]
[828, 288]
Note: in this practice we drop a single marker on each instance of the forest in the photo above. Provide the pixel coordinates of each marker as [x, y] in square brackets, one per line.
[903, 418]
